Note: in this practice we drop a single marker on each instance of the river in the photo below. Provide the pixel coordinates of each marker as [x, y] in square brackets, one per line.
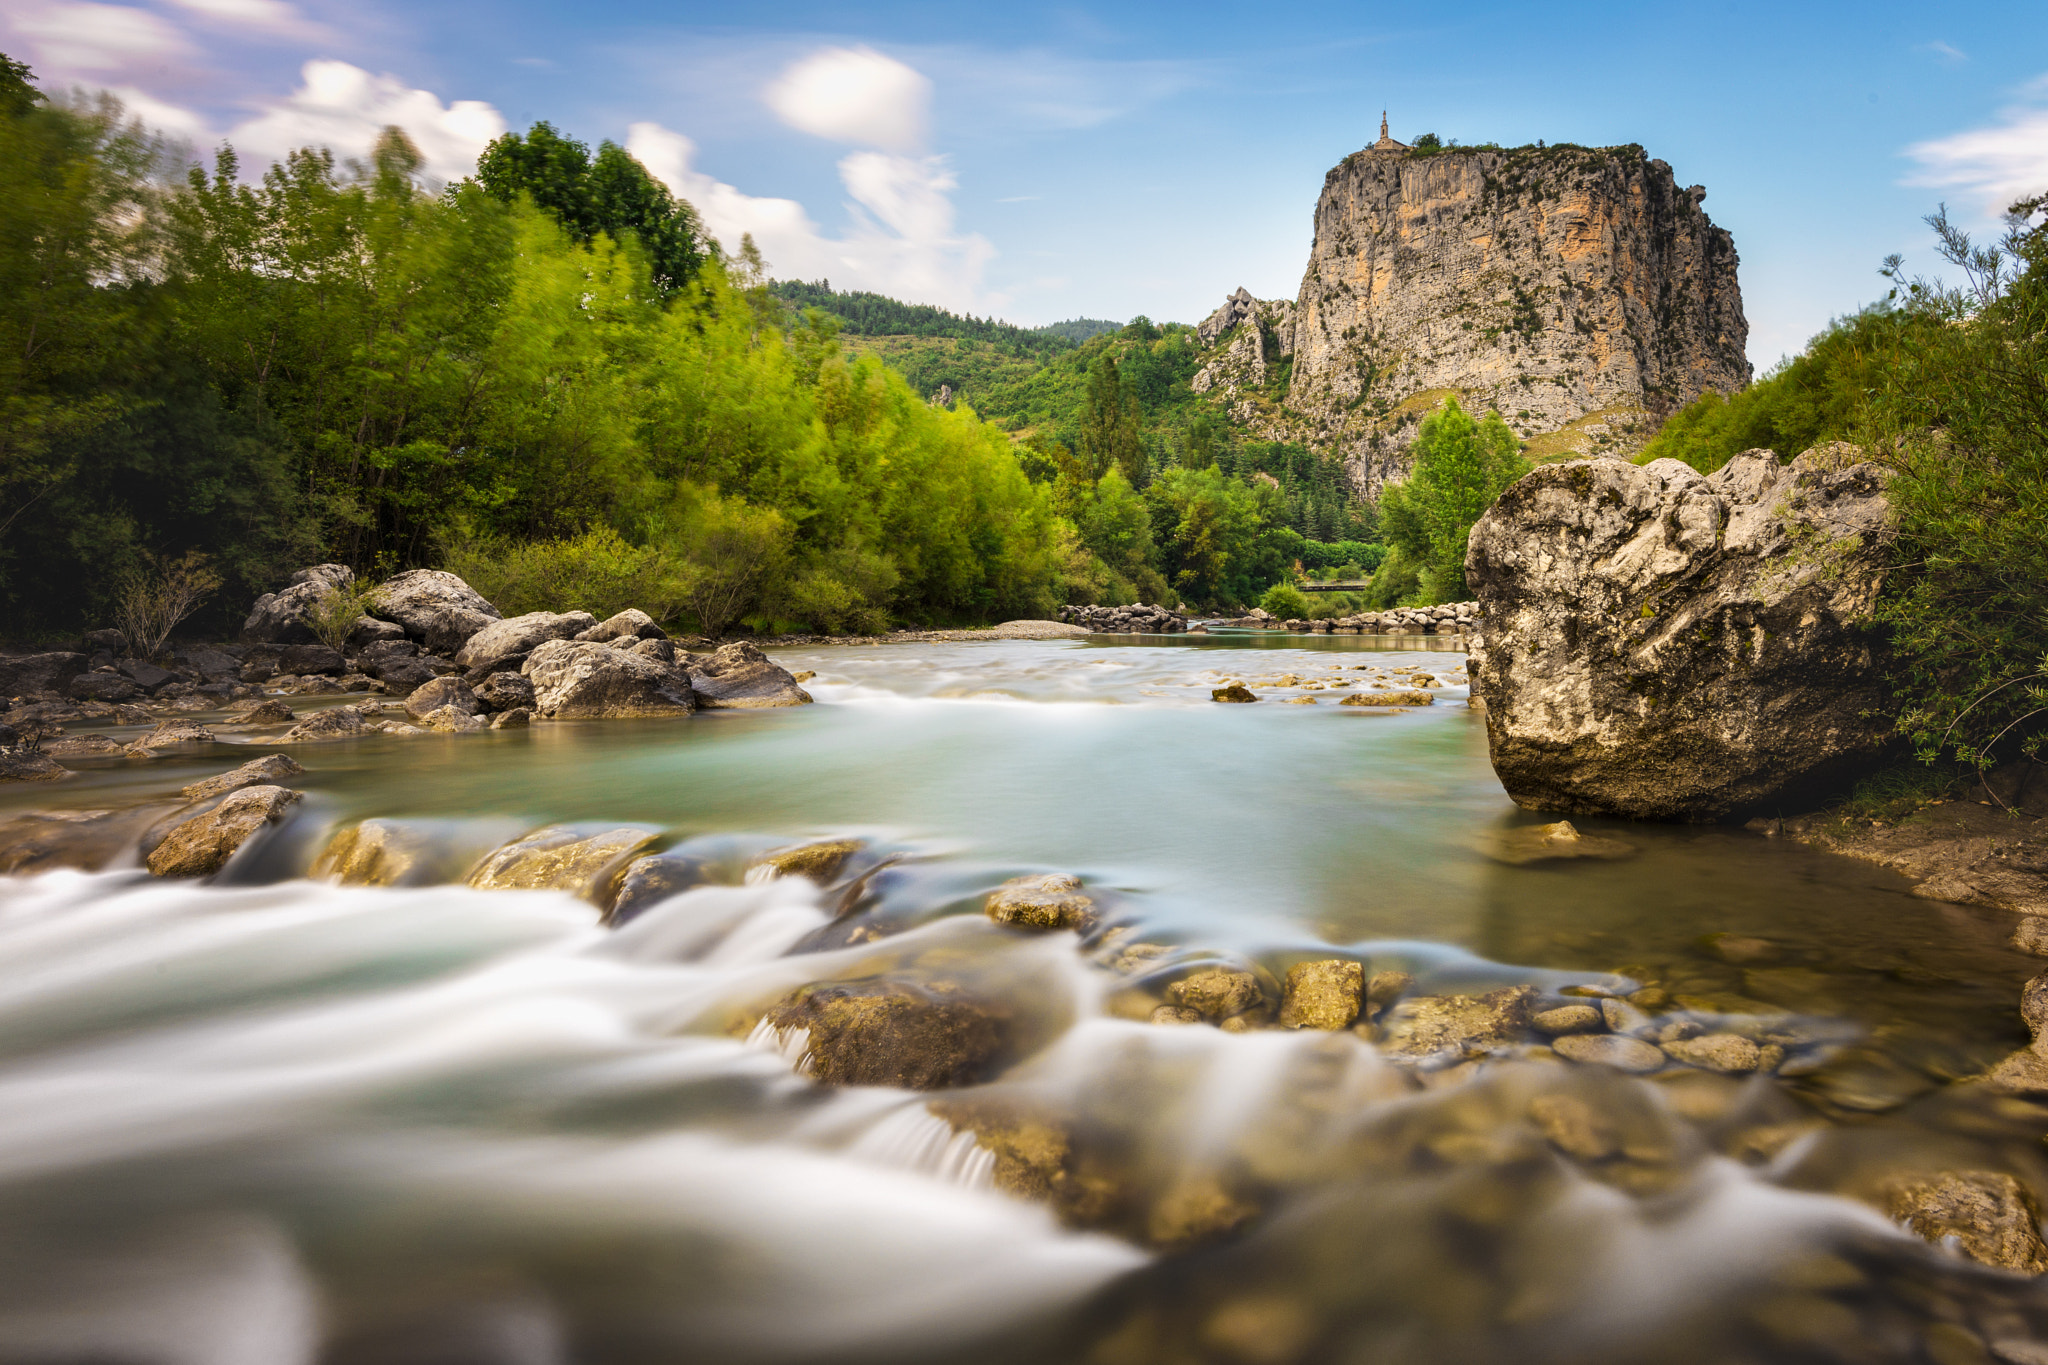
[270, 1120]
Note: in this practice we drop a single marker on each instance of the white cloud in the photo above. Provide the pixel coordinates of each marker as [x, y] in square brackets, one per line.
[854, 94]
[1994, 165]
[345, 107]
[271, 18]
[902, 242]
[78, 38]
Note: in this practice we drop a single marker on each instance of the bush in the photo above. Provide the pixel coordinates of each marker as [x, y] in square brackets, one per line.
[735, 553]
[1461, 468]
[335, 615]
[597, 571]
[844, 591]
[1287, 602]
[154, 600]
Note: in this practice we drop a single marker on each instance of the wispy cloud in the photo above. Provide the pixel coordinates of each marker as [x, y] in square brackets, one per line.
[855, 94]
[1994, 165]
[1951, 55]
[1020, 198]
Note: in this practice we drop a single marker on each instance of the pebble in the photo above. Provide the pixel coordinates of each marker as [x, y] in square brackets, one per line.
[1728, 1053]
[1567, 1019]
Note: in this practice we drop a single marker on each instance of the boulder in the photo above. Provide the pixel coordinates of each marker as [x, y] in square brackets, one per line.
[560, 858]
[310, 658]
[1463, 1024]
[212, 664]
[1671, 646]
[1992, 1217]
[368, 630]
[1217, 993]
[1236, 692]
[170, 734]
[201, 846]
[285, 616]
[1323, 995]
[739, 675]
[27, 674]
[337, 722]
[450, 720]
[632, 623]
[586, 680]
[30, 765]
[401, 674]
[267, 770]
[146, 675]
[109, 641]
[435, 607]
[272, 711]
[441, 692]
[517, 635]
[102, 685]
[662, 652]
[919, 1036]
[1052, 901]
[505, 692]
[83, 746]
[518, 718]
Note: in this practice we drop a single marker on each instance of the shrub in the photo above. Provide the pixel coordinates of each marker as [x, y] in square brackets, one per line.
[338, 610]
[735, 552]
[1461, 468]
[1287, 602]
[844, 591]
[155, 599]
[597, 571]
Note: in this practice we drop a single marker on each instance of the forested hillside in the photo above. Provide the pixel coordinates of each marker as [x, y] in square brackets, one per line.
[548, 374]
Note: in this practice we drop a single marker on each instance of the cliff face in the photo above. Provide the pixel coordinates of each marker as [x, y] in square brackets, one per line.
[1579, 291]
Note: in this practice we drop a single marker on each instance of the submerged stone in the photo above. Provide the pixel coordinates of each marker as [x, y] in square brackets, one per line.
[1433, 1024]
[820, 862]
[202, 845]
[1323, 995]
[1992, 1217]
[560, 859]
[1551, 843]
[648, 881]
[920, 1036]
[374, 853]
[1217, 993]
[1051, 901]
[1610, 1049]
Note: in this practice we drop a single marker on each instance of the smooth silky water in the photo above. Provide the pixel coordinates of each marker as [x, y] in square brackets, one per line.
[268, 1120]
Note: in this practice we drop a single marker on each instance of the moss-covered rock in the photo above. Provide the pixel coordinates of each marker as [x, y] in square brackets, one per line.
[1052, 901]
[917, 1035]
[1323, 995]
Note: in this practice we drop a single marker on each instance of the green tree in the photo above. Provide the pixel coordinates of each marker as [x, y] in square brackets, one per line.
[1109, 425]
[1461, 468]
[612, 194]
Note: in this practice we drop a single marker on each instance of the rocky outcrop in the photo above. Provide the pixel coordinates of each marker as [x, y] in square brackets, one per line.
[1665, 645]
[1138, 619]
[577, 680]
[1580, 291]
[202, 845]
[740, 676]
[435, 607]
[286, 616]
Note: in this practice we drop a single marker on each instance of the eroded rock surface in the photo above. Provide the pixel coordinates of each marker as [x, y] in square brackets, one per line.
[267, 770]
[435, 607]
[202, 845]
[1052, 901]
[918, 1035]
[1323, 995]
[285, 616]
[561, 858]
[740, 675]
[575, 680]
[519, 634]
[1671, 646]
[1993, 1218]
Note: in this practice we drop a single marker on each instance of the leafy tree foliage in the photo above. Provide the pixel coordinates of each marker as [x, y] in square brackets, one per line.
[1461, 468]
[1109, 425]
[612, 195]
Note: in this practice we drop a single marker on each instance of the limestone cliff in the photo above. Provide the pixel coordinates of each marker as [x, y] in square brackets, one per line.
[1578, 290]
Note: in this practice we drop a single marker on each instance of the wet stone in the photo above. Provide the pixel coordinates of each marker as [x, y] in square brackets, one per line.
[1175, 1014]
[30, 765]
[560, 859]
[1217, 993]
[1052, 901]
[374, 853]
[168, 735]
[1610, 1049]
[1322, 995]
[1459, 1023]
[1622, 1017]
[821, 862]
[1237, 692]
[2030, 935]
[203, 844]
[1575, 1127]
[1385, 988]
[1568, 1019]
[1992, 1217]
[1727, 1053]
[646, 882]
[920, 1036]
[1553, 843]
[271, 769]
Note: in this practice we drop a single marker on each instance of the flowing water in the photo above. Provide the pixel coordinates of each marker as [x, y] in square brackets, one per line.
[272, 1120]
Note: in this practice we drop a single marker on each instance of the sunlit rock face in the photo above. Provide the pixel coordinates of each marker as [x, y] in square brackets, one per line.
[1579, 291]
[1664, 645]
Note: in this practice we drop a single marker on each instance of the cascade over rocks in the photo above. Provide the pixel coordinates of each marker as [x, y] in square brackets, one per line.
[1665, 645]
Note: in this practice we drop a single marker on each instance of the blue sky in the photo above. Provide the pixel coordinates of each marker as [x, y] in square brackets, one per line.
[1046, 161]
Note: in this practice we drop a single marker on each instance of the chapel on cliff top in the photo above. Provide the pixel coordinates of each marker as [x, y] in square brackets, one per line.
[1386, 144]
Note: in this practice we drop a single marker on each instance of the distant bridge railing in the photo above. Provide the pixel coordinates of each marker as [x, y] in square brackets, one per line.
[1341, 585]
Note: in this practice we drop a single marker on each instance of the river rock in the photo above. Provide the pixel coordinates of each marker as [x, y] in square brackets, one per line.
[103, 685]
[286, 616]
[1428, 1025]
[517, 635]
[1567, 1019]
[30, 765]
[308, 659]
[1235, 692]
[435, 607]
[146, 675]
[1993, 1217]
[202, 845]
[83, 746]
[632, 623]
[168, 735]
[267, 770]
[1322, 995]
[646, 882]
[1218, 993]
[2034, 1008]
[586, 680]
[369, 631]
[1671, 646]
[662, 652]
[1051, 901]
[108, 641]
[273, 711]
[2030, 935]
[919, 1036]
[1728, 1053]
[1575, 1127]
[821, 861]
[337, 722]
[1610, 1049]
[560, 858]
[402, 674]
[1553, 843]
[518, 718]
[1407, 698]
[375, 853]
[451, 720]
[1385, 988]
[449, 692]
[739, 675]
[29, 674]
[505, 692]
